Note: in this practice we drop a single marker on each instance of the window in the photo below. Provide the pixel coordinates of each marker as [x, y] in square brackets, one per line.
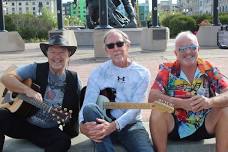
[33, 3]
[19, 4]
[26, 3]
[34, 8]
[47, 3]
[12, 4]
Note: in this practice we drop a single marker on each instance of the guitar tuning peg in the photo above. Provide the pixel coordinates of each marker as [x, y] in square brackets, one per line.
[53, 114]
[58, 122]
[58, 117]
[65, 109]
[70, 111]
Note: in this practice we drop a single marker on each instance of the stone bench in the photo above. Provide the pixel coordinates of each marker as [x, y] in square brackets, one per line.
[83, 144]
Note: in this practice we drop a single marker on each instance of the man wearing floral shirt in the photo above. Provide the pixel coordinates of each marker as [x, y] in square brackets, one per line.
[199, 94]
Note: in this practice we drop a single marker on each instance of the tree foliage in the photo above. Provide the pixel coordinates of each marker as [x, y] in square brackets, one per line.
[29, 26]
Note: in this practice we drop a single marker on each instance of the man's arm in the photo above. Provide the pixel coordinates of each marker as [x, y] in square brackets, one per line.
[220, 100]
[156, 95]
[13, 82]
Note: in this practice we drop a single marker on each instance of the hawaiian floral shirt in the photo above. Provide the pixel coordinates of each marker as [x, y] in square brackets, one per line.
[207, 82]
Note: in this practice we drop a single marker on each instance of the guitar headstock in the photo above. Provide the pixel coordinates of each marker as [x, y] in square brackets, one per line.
[61, 115]
[163, 106]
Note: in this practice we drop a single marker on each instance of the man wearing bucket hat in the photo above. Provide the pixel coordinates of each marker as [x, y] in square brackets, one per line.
[58, 86]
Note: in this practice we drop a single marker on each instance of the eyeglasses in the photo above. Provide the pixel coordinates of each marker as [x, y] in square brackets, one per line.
[112, 45]
[192, 47]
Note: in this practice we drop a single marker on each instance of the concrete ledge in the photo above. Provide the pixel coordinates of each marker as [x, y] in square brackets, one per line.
[11, 41]
[85, 36]
[207, 36]
[83, 144]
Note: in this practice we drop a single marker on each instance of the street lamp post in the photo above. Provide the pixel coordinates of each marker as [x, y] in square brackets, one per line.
[215, 12]
[59, 15]
[154, 13]
[2, 24]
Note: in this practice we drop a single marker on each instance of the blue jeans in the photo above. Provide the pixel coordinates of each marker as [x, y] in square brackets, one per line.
[133, 137]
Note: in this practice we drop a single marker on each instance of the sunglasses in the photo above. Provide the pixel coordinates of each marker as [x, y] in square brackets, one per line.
[112, 45]
[192, 47]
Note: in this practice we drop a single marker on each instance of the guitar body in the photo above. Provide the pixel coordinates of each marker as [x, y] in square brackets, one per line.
[20, 108]
[101, 100]
[14, 103]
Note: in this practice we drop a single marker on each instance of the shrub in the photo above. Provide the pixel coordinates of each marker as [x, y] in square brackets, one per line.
[181, 23]
[200, 18]
[31, 27]
[224, 19]
[165, 21]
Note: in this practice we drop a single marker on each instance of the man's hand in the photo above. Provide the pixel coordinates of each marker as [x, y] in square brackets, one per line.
[199, 103]
[33, 94]
[183, 104]
[96, 131]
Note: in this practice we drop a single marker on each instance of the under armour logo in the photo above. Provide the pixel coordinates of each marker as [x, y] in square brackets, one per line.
[121, 79]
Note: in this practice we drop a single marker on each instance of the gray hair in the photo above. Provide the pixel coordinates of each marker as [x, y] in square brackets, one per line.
[114, 30]
[186, 34]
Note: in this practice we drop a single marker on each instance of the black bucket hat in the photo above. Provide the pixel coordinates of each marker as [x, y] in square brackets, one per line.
[59, 41]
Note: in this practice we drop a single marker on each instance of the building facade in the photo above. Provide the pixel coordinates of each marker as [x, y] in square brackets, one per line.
[144, 12]
[77, 10]
[29, 6]
[199, 7]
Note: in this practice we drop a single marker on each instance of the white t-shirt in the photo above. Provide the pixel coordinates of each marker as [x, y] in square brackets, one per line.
[131, 84]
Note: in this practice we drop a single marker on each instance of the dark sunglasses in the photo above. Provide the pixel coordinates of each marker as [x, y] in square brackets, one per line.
[112, 45]
[192, 47]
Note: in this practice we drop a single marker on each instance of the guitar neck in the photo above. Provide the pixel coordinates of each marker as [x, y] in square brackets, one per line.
[163, 107]
[40, 105]
[115, 105]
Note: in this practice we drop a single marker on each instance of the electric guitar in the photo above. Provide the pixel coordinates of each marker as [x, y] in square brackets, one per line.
[106, 102]
[24, 106]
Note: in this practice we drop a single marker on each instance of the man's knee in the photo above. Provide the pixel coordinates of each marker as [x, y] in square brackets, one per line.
[90, 112]
[157, 116]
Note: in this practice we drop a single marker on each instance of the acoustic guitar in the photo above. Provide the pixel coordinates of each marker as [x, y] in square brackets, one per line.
[24, 106]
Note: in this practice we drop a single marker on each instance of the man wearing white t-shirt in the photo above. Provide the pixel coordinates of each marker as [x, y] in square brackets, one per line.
[129, 82]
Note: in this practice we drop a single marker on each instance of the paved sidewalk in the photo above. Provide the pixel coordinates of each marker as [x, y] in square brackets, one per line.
[83, 62]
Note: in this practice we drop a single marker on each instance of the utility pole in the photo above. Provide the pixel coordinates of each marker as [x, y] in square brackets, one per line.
[2, 22]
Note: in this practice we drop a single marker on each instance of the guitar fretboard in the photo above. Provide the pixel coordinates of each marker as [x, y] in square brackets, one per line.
[155, 105]
[40, 105]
